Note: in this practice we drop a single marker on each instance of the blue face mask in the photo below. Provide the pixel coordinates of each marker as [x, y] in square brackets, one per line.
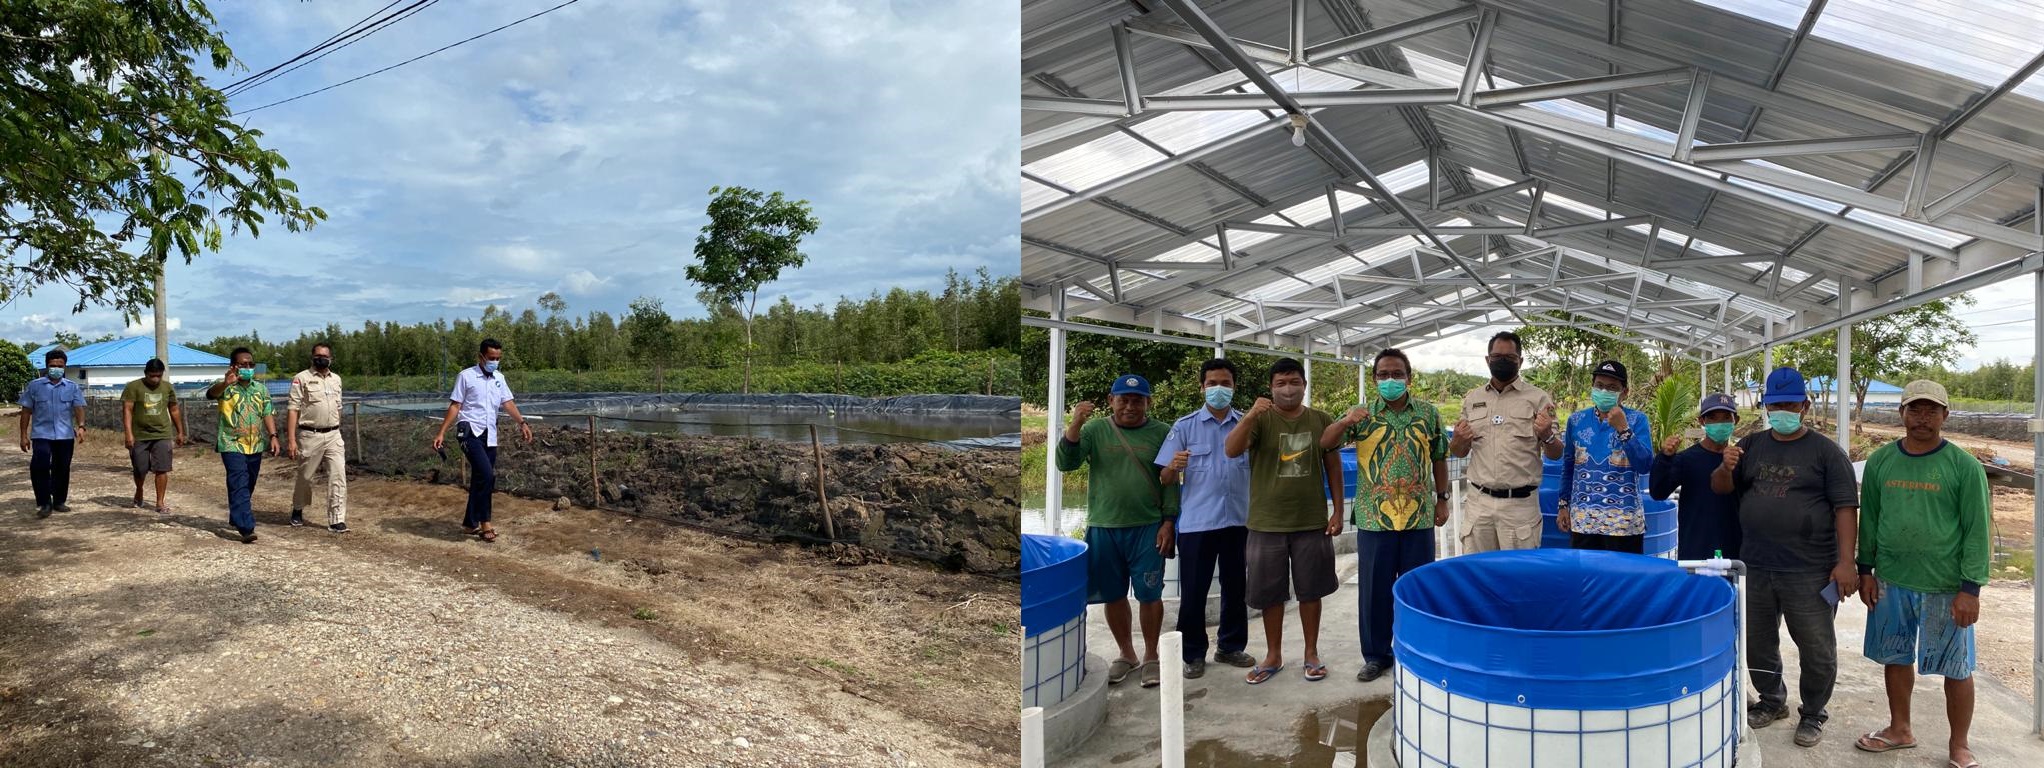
[247, 373]
[490, 366]
[1603, 398]
[56, 373]
[1390, 389]
[1220, 397]
[1785, 422]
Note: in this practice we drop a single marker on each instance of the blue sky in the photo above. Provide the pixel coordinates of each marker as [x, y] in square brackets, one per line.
[574, 153]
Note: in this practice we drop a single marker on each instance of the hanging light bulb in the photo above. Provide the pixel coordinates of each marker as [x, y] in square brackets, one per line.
[1298, 130]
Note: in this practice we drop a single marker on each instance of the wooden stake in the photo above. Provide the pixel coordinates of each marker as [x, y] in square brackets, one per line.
[356, 408]
[595, 483]
[816, 445]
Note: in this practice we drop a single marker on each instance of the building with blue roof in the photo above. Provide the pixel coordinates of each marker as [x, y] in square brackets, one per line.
[106, 367]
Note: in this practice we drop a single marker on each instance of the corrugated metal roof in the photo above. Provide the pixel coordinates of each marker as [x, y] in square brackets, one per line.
[135, 351]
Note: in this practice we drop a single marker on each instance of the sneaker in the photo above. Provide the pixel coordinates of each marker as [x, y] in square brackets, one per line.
[1370, 671]
[1195, 669]
[42, 510]
[1762, 715]
[338, 527]
[297, 518]
[248, 536]
[1808, 733]
[1236, 659]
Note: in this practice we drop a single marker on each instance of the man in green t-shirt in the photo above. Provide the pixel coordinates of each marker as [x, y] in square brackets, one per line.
[1130, 516]
[1291, 481]
[1401, 494]
[1923, 554]
[148, 413]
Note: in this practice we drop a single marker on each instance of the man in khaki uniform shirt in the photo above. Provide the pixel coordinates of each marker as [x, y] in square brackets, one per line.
[1507, 425]
[315, 416]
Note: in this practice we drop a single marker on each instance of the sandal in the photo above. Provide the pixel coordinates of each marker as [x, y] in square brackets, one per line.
[1886, 744]
[1118, 671]
[163, 511]
[1261, 673]
[1315, 671]
[488, 534]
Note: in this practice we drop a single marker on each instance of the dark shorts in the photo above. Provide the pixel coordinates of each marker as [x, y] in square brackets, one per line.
[150, 456]
[1283, 563]
[1121, 559]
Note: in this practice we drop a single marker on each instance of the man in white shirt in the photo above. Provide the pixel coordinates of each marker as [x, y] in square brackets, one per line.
[478, 393]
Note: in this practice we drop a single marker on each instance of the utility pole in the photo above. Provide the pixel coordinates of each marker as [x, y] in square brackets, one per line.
[162, 312]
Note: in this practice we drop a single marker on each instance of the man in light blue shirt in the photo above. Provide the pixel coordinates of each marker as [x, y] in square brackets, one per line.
[52, 423]
[1213, 520]
[478, 393]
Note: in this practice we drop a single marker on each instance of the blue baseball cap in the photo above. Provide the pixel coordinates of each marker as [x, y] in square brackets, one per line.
[1784, 385]
[1717, 401]
[1131, 384]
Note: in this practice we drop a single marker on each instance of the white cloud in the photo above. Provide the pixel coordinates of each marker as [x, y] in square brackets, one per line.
[147, 325]
[582, 281]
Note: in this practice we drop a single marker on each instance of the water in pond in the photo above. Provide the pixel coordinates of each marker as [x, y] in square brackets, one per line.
[979, 430]
[1036, 519]
[1328, 738]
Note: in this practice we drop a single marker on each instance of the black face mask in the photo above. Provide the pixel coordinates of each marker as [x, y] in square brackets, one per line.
[1504, 369]
[322, 363]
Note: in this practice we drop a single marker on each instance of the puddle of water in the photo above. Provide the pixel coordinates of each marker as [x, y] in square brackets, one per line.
[1328, 738]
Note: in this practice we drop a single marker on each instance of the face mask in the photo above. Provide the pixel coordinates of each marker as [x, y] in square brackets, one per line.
[1390, 389]
[1785, 422]
[1718, 433]
[490, 366]
[1603, 398]
[56, 373]
[247, 373]
[322, 363]
[1288, 397]
[1220, 397]
[1504, 370]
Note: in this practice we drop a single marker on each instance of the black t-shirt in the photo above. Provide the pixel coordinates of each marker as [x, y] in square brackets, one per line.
[1789, 496]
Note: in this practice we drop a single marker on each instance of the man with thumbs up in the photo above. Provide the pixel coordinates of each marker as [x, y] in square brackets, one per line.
[1507, 425]
[1130, 516]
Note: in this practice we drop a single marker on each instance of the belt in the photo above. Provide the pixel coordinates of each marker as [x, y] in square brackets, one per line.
[1510, 493]
[318, 429]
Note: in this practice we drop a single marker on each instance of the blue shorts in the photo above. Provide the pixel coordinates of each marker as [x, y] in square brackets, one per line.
[1120, 558]
[1908, 627]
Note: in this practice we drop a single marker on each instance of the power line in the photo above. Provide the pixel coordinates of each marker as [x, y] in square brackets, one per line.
[412, 59]
[308, 51]
[378, 26]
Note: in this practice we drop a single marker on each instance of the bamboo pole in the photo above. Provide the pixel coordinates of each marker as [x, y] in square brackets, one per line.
[816, 446]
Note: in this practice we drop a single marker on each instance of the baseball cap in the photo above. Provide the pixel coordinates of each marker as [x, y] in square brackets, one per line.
[1925, 389]
[1613, 369]
[1784, 385]
[1131, 384]
[1717, 401]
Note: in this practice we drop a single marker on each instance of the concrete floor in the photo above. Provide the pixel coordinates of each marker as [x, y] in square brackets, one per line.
[1229, 723]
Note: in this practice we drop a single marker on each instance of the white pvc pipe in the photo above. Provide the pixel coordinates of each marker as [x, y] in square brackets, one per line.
[1171, 702]
[1738, 571]
[1032, 737]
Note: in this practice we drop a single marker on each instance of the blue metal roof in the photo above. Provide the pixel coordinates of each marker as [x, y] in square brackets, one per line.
[136, 351]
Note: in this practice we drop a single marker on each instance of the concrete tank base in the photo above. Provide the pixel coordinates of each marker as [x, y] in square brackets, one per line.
[1074, 720]
[1377, 748]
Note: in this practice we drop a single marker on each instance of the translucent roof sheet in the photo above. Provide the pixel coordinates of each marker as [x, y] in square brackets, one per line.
[1984, 41]
[1094, 162]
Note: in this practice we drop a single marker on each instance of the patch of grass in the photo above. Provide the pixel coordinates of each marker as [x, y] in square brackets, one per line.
[1003, 628]
[145, 633]
[1035, 458]
[645, 614]
[845, 669]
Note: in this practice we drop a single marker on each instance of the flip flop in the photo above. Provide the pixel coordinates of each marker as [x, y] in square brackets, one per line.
[1969, 764]
[488, 534]
[1887, 744]
[1150, 672]
[1315, 672]
[1258, 675]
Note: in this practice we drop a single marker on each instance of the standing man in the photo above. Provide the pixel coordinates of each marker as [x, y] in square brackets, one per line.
[1401, 494]
[1606, 445]
[1507, 425]
[248, 429]
[478, 394]
[1212, 521]
[1130, 516]
[1799, 510]
[52, 424]
[1708, 521]
[315, 415]
[148, 411]
[1923, 554]
[1290, 545]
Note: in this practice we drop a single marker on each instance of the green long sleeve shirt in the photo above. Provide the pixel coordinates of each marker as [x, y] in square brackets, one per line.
[1123, 488]
[1923, 519]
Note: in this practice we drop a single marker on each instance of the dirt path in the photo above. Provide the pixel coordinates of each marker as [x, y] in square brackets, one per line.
[125, 638]
[2021, 455]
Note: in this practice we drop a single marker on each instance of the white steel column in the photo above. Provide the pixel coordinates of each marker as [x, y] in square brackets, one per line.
[1054, 481]
[2037, 512]
[1308, 363]
[1842, 381]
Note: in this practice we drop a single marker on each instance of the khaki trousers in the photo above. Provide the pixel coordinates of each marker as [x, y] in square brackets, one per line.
[317, 449]
[1491, 524]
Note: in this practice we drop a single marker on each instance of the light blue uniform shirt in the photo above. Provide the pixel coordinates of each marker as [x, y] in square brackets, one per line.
[1215, 489]
[50, 405]
[480, 395]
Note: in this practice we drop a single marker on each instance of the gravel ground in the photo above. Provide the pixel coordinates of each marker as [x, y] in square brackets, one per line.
[126, 639]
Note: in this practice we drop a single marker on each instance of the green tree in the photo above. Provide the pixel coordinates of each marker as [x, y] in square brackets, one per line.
[15, 369]
[751, 237]
[652, 335]
[1888, 347]
[102, 121]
